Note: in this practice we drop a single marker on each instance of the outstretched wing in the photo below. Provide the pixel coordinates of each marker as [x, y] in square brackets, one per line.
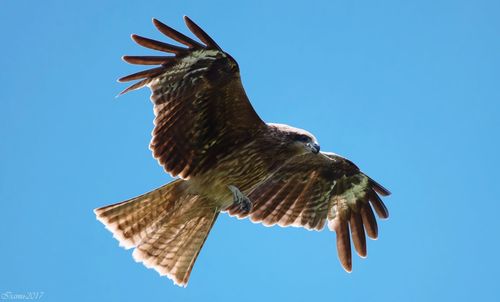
[312, 189]
[202, 111]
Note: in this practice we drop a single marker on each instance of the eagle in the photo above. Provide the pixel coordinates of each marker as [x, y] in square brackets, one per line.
[225, 158]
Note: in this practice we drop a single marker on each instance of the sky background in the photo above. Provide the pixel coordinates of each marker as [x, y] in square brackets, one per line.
[408, 91]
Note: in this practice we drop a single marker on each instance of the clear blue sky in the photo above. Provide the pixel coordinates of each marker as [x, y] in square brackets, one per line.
[408, 91]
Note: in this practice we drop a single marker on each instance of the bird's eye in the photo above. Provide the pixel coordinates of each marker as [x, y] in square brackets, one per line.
[302, 138]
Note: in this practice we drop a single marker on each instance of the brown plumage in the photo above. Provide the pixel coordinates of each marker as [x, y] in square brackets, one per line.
[207, 133]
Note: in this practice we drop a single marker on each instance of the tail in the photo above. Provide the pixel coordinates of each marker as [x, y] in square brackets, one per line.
[167, 227]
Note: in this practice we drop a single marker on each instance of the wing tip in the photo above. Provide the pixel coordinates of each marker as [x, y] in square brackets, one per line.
[379, 188]
[200, 33]
[164, 61]
[176, 35]
[378, 205]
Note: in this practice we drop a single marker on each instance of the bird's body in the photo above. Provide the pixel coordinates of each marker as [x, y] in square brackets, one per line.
[245, 167]
[207, 133]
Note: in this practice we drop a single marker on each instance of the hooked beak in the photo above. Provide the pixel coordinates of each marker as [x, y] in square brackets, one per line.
[314, 147]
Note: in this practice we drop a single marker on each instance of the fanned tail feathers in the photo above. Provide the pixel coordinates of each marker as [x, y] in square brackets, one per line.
[167, 227]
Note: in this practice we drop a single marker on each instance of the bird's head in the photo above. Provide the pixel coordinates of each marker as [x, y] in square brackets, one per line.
[299, 139]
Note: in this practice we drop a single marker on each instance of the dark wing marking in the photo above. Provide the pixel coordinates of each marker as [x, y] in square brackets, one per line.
[202, 111]
[310, 190]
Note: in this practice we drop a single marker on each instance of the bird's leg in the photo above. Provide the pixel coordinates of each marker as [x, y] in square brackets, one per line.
[241, 203]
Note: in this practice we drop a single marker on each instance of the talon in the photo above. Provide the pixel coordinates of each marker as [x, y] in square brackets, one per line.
[240, 201]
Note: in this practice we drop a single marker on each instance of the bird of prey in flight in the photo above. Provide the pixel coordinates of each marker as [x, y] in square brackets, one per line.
[227, 159]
